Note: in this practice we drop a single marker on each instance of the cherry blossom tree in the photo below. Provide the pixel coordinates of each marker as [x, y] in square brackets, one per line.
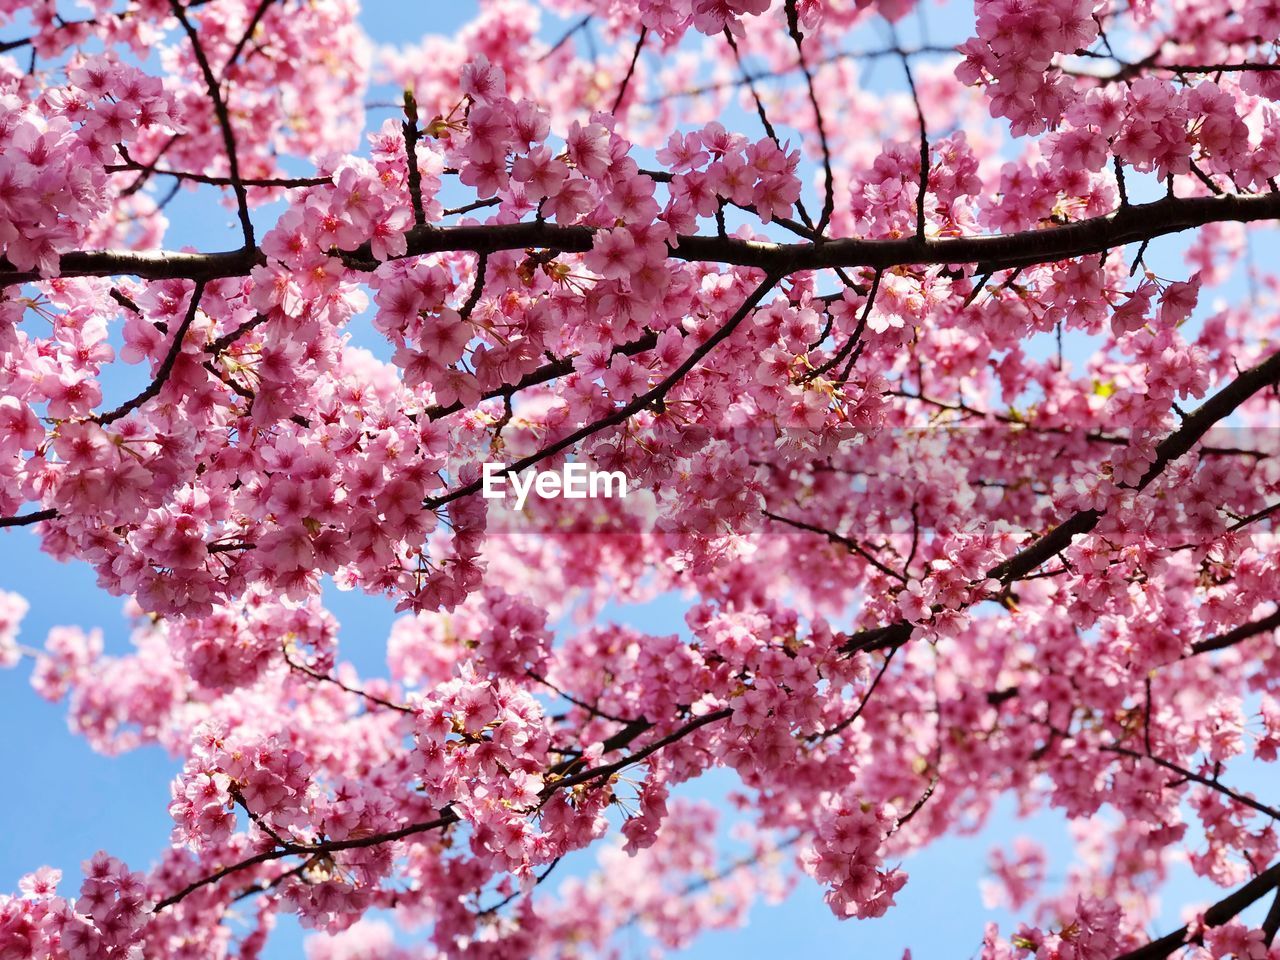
[810, 297]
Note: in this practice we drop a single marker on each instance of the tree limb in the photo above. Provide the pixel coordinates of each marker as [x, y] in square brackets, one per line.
[987, 253]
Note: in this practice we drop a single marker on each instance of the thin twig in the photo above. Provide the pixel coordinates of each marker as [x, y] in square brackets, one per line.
[594, 711]
[626, 412]
[247, 35]
[764, 119]
[854, 338]
[1194, 777]
[327, 678]
[287, 182]
[61, 25]
[924, 139]
[626, 80]
[848, 543]
[477, 288]
[828, 199]
[224, 121]
[166, 367]
[862, 704]
[224, 342]
[747, 78]
[494, 908]
[918, 805]
[566, 37]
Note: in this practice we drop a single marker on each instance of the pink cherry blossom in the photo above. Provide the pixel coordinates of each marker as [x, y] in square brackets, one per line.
[943, 380]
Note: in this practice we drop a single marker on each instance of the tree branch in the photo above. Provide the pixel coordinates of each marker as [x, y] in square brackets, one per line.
[624, 413]
[631, 69]
[1240, 633]
[131, 165]
[166, 367]
[1177, 443]
[923, 192]
[1195, 426]
[409, 129]
[245, 37]
[848, 543]
[1218, 914]
[223, 118]
[25, 519]
[8, 45]
[327, 678]
[447, 816]
[828, 196]
[1191, 775]
[331, 846]
[988, 253]
[747, 78]
[608, 769]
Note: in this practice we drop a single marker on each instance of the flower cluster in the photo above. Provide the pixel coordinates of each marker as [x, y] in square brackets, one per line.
[105, 921]
[259, 772]
[53, 180]
[846, 858]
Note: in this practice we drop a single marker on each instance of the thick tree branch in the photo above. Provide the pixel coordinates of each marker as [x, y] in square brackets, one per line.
[1132, 224]
[409, 129]
[1041, 549]
[26, 519]
[1271, 923]
[1221, 912]
[1241, 633]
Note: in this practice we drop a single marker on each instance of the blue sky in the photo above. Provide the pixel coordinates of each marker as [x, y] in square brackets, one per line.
[61, 802]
